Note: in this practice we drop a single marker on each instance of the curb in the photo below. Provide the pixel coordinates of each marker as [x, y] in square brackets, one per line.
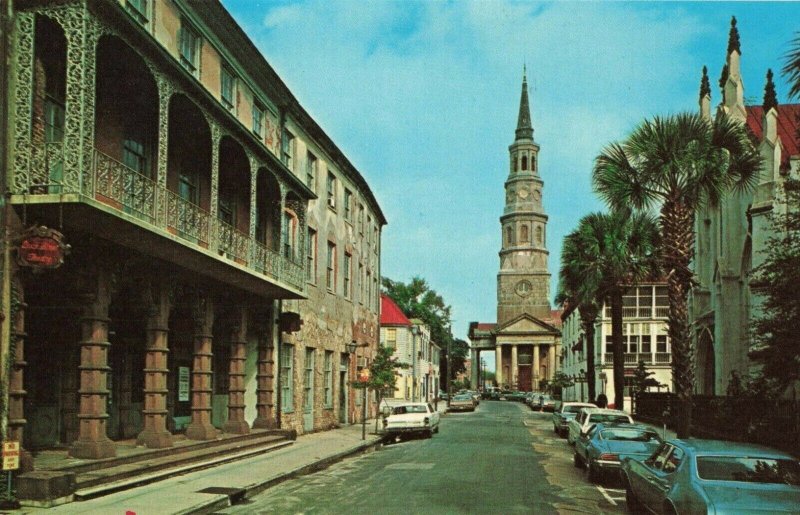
[224, 501]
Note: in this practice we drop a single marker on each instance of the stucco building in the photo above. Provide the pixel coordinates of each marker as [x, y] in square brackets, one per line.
[224, 250]
[526, 336]
[731, 238]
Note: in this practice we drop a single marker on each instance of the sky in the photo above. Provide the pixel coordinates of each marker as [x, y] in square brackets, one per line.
[423, 96]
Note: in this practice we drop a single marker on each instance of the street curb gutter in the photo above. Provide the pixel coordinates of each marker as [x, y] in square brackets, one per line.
[224, 501]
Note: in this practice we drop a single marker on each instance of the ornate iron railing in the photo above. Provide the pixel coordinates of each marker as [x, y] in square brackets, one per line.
[187, 220]
[232, 242]
[133, 192]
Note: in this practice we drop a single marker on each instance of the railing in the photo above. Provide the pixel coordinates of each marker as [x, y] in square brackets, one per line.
[633, 358]
[114, 184]
[663, 358]
[640, 312]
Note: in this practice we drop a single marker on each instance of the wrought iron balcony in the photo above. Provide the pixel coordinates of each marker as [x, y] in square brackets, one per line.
[633, 358]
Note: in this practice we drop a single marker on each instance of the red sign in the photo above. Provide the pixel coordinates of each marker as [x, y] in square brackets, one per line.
[363, 375]
[41, 247]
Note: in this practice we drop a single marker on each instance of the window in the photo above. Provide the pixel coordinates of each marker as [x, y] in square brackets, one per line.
[288, 234]
[376, 240]
[227, 88]
[330, 278]
[647, 346]
[346, 277]
[311, 171]
[362, 281]
[137, 9]
[189, 46]
[188, 188]
[524, 162]
[134, 156]
[360, 221]
[258, 119]
[368, 294]
[328, 379]
[331, 189]
[287, 384]
[662, 302]
[662, 341]
[227, 210]
[348, 198]
[391, 337]
[645, 301]
[287, 148]
[308, 381]
[375, 293]
[311, 256]
[369, 226]
[674, 461]
[523, 233]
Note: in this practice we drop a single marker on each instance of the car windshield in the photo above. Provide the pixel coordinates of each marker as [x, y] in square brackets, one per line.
[749, 470]
[603, 418]
[402, 410]
[573, 409]
[630, 435]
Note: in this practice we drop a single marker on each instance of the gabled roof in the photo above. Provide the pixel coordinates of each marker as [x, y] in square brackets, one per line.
[391, 315]
[787, 127]
[546, 326]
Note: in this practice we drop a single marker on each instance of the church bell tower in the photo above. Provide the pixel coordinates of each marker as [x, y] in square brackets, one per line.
[523, 283]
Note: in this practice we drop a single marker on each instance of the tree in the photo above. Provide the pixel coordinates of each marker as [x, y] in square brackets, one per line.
[559, 382]
[791, 68]
[382, 375]
[678, 163]
[774, 332]
[602, 258]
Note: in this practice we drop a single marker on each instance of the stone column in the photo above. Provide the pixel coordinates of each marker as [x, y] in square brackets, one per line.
[16, 388]
[474, 368]
[265, 417]
[551, 359]
[512, 371]
[155, 434]
[69, 392]
[93, 442]
[537, 368]
[201, 427]
[236, 423]
[498, 374]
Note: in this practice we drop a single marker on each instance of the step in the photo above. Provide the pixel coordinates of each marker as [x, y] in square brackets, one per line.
[158, 471]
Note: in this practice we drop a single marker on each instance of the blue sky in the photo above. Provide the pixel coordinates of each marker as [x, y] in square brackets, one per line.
[423, 99]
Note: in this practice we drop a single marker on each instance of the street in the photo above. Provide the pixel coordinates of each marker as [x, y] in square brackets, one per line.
[503, 458]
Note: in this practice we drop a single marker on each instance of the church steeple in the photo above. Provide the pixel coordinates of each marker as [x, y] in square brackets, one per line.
[524, 127]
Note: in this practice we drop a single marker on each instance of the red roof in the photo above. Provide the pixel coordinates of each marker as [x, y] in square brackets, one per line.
[485, 327]
[787, 127]
[391, 313]
[555, 318]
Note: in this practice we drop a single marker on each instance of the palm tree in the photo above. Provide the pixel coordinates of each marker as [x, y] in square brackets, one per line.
[604, 256]
[678, 163]
[791, 68]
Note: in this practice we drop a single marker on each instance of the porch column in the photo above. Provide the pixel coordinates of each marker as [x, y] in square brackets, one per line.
[155, 434]
[16, 390]
[513, 370]
[165, 92]
[474, 369]
[498, 373]
[265, 417]
[536, 368]
[551, 358]
[93, 441]
[201, 427]
[236, 423]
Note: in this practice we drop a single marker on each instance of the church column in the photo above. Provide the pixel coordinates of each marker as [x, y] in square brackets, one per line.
[551, 360]
[236, 423]
[93, 441]
[203, 313]
[155, 434]
[536, 368]
[498, 374]
[474, 368]
[512, 379]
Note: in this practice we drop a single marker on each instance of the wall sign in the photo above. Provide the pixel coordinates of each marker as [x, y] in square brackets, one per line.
[10, 455]
[41, 248]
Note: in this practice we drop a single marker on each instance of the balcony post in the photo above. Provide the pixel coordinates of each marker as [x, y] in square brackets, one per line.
[251, 243]
[213, 209]
[203, 314]
[236, 423]
[165, 92]
[22, 79]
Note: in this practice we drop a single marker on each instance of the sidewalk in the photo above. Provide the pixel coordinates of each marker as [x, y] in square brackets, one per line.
[208, 490]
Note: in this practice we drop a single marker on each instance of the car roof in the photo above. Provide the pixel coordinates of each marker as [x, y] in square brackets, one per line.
[623, 425]
[583, 404]
[605, 411]
[701, 447]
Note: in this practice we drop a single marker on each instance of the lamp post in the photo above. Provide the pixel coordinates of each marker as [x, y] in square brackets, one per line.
[363, 377]
[414, 361]
[582, 379]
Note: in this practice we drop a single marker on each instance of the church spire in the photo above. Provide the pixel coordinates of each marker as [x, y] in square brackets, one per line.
[524, 128]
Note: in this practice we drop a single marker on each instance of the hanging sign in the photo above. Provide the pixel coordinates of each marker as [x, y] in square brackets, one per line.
[40, 247]
[10, 455]
[363, 375]
[183, 384]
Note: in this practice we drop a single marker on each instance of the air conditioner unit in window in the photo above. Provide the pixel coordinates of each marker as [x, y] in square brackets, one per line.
[362, 362]
[331, 202]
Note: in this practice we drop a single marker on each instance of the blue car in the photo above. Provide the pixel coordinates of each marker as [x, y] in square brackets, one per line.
[604, 447]
[713, 476]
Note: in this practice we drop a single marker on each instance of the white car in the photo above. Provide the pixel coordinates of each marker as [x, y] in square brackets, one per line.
[411, 417]
[588, 416]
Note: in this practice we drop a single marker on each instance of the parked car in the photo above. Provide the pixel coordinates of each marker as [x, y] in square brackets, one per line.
[566, 412]
[713, 476]
[411, 418]
[443, 395]
[604, 446]
[546, 403]
[588, 416]
[475, 396]
[462, 402]
[530, 397]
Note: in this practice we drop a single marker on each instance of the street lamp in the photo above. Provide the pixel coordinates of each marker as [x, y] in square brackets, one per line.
[351, 349]
[414, 361]
[582, 379]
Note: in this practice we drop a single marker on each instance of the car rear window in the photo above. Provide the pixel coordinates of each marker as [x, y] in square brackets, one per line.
[402, 410]
[749, 470]
[601, 418]
[573, 409]
[631, 435]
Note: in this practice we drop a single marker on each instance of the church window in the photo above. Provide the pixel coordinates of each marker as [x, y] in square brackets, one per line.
[523, 233]
[533, 164]
[524, 163]
[514, 164]
[539, 235]
[509, 236]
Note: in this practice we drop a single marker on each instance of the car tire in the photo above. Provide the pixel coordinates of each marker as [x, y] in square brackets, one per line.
[429, 433]
[436, 429]
[592, 473]
[577, 461]
[632, 502]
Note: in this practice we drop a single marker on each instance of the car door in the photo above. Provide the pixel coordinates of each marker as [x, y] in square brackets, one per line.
[642, 473]
[583, 441]
[658, 483]
[434, 416]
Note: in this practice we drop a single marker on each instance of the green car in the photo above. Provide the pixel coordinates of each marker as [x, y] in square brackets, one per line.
[712, 476]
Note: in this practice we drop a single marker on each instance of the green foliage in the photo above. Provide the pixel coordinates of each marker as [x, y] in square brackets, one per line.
[642, 379]
[770, 97]
[561, 380]
[705, 87]
[382, 371]
[723, 79]
[775, 344]
[733, 37]
[791, 67]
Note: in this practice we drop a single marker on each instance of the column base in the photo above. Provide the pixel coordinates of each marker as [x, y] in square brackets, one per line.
[155, 439]
[265, 423]
[237, 427]
[93, 450]
[199, 431]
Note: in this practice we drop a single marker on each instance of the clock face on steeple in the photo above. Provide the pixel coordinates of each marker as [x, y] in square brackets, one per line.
[523, 193]
[523, 288]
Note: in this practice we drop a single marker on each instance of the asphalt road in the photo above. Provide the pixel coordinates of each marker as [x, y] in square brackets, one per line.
[501, 459]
